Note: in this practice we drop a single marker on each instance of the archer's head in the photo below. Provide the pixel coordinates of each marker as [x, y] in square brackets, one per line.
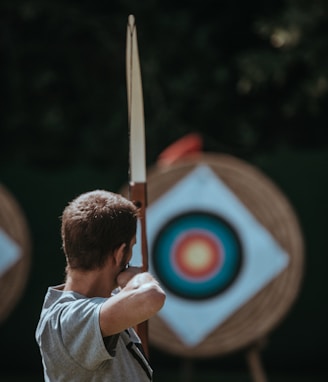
[94, 225]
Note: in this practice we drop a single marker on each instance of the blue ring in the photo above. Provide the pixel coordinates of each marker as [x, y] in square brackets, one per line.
[197, 289]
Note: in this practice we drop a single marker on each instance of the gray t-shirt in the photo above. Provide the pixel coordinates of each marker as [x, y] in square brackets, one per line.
[73, 349]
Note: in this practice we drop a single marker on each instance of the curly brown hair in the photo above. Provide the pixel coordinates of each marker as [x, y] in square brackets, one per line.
[95, 224]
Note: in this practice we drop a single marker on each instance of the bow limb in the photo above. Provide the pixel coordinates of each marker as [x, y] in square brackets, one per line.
[137, 173]
[138, 194]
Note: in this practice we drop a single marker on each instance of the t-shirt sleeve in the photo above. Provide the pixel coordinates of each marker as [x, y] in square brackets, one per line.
[81, 335]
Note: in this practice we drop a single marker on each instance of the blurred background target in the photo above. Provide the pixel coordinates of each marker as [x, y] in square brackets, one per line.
[197, 255]
[15, 247]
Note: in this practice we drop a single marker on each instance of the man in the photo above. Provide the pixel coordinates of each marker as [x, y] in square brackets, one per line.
[84, 332]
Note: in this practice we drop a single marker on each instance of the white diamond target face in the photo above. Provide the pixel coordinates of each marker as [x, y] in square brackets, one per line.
[10, 252]
[209, 253]
[197, 255]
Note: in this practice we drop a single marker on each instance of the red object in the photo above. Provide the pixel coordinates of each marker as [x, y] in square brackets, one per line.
[188, 145]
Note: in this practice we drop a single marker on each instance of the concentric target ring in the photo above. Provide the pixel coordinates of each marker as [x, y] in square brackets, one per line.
[197, 255]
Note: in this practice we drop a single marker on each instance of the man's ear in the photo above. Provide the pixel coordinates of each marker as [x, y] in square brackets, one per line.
[118, 254]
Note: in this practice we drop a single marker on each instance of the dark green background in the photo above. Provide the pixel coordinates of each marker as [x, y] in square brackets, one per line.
[250, 77]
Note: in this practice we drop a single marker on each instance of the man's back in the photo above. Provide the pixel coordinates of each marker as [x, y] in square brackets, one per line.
[72, 346]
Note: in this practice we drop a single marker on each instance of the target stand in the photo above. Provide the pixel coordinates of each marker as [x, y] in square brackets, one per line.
[15, 252]
[206, 253]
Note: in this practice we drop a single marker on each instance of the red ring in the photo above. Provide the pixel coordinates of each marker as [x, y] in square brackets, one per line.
[197, 255]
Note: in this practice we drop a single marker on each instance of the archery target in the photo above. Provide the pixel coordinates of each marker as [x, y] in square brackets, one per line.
[210, 308]
[14, 252]
[197, 255]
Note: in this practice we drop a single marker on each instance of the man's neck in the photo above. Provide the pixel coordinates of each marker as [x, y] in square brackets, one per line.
[95, 283]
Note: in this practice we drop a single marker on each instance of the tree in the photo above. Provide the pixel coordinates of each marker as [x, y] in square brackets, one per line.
[249, 76]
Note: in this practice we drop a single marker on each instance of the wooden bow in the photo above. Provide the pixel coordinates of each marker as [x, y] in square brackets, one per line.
[137, 172]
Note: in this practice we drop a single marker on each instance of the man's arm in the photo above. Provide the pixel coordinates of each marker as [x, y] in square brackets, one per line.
[141, 297]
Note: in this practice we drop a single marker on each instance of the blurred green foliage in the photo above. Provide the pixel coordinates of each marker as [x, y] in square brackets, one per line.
[249, 76]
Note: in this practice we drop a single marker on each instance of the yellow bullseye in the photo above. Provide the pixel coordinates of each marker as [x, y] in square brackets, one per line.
[197, 255]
